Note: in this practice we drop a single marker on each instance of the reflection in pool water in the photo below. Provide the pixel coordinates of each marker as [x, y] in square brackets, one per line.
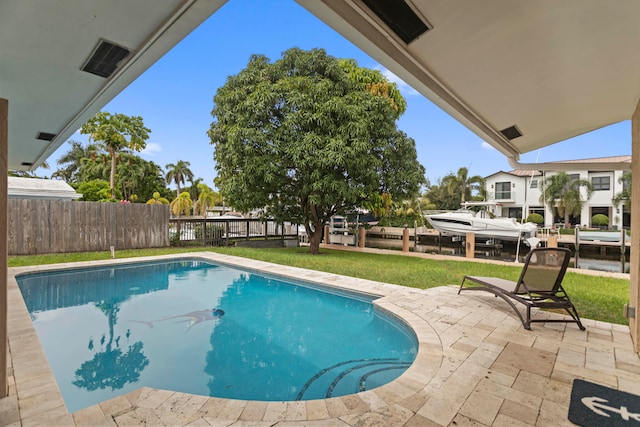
[192, 318]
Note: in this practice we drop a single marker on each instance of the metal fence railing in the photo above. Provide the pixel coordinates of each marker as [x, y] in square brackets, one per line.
[227, 231]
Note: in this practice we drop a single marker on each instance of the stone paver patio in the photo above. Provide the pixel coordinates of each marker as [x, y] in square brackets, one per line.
[476, 365]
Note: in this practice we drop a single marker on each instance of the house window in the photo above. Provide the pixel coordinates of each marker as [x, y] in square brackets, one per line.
[515, 213]
[600, 183]
[503, 190]
[534, 183]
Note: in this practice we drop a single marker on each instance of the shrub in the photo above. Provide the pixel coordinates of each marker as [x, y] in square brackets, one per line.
[174, 239]
[600, 220]
[214, 232]
[535, 218]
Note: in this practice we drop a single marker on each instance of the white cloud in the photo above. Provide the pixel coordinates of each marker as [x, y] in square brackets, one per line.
[405, 89]
[151, 149]
[485, 145]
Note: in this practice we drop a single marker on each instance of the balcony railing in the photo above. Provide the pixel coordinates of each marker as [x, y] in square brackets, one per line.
[501, 196]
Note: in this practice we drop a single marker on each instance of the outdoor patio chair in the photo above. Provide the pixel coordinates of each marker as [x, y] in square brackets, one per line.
[539, 285]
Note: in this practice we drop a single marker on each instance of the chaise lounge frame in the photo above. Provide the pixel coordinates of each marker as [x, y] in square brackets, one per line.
[539, 285]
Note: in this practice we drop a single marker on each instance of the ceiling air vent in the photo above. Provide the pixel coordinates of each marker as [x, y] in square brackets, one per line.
[26, 164]
[399, 17]
[45, 136]
[105, 59]
[511, 132]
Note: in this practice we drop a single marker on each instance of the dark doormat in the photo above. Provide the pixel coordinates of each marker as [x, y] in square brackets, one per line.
[596, 405]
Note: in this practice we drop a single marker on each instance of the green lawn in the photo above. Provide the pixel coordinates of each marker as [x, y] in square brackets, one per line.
[599, 298]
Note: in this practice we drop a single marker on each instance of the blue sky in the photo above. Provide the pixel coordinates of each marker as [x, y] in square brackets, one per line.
[175, 96]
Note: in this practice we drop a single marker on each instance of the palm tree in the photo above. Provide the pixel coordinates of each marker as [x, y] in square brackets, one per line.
[562, 191]
[206, 198]
[623, 197]
[182, 204]
[96, 167]
[463, 185]
[130, 174]
[625, 194]
[157, 200]
[72, 161]
[116, 133]
[179, 173]
[439, 197]
[194, 188]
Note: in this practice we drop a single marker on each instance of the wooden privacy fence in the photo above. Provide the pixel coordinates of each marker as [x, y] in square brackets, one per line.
[40, 226]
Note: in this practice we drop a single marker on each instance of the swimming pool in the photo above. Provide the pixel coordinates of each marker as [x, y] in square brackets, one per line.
[237, 334]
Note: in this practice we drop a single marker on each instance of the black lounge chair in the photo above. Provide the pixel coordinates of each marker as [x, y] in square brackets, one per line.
[539, 285]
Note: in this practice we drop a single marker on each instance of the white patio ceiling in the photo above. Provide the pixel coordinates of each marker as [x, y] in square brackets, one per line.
[554, 69]
[44, 45]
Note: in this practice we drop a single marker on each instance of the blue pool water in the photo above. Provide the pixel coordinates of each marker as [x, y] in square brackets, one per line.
[201, 328]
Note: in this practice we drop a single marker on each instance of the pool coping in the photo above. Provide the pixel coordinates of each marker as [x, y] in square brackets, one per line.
[37, 399]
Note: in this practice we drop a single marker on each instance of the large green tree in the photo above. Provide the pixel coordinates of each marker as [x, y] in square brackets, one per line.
[116, 133]
[373, 82]
[563, 192]
[306, 138]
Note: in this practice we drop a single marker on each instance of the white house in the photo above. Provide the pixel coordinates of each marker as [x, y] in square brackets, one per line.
[517, 194]
[33, 188]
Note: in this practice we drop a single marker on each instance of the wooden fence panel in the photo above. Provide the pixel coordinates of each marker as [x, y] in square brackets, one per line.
[39, 226]
[42, 225]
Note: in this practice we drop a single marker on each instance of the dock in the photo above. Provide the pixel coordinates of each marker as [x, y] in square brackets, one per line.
[607, 246]
[590, 246]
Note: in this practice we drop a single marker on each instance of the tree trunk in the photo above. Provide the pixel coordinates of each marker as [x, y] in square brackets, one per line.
[112, 175]
[314, 242]
[315, 237]
[112, 322]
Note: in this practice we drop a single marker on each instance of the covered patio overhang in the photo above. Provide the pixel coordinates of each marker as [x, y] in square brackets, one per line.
[521, 75]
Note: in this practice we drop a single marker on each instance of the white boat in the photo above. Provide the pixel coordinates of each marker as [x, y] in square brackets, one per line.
[601, 236]
[461, 222]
